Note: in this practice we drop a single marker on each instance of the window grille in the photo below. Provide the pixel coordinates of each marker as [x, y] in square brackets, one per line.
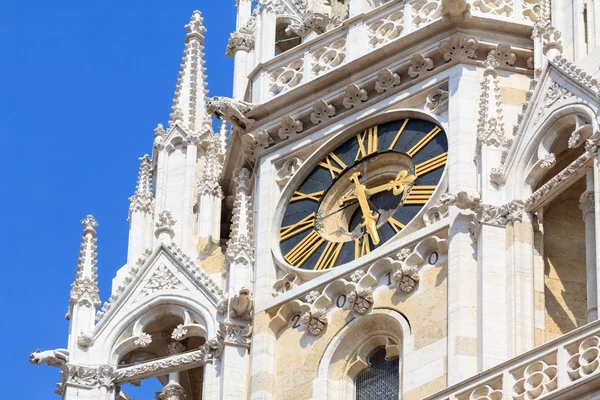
[381, 380]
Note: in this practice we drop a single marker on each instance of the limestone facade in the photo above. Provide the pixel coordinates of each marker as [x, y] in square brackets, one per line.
[489, 290]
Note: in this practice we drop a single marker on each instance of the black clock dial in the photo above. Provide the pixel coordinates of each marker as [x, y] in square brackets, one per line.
[363, 193]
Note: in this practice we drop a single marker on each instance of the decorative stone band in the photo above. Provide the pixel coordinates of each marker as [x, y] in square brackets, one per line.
[559, 182]
[563, 367]
[354, 291]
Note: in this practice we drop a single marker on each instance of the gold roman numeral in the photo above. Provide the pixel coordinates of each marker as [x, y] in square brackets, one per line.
[368, 143]
[431, 164]
[419, 194]
[316, 196]
[423, 142]
[333, 164]
[329, 256]
[304, 249]
[396, 225]
[398, 134]
[289, 231]
[362, 246]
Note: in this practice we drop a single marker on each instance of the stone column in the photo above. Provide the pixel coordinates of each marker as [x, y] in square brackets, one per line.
[191, 156]
[586, 204]
[235, 361]
[173, 390]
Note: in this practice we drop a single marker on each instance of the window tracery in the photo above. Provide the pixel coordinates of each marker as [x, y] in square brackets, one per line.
[381, 380]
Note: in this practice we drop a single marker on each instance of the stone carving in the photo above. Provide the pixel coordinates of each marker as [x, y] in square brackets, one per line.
[85, 339]
[554, 94]
[502, 215]
[286, 77]
[84, 290]
[288, 170]
[419, 65]
[426, 11]
[239, 41]
[285, 284]
[315, 321]
[485, 392]
[550, 186]
[458, 48]
[237, 334]
[386, 29]
[439, 210]
[525, 106]
[357, 275]
[496, 7]
[574, 140]
[209, 352]
[172, 391]
[312, 296]
[504, 55]
[165, 224]
[531, 9]
[361, 299]
[536, 380]
[386, 79]
[252, 140]
[159, 137]
[353, 96]
[175, 348]
[403, 254]
[313, 21]
[54, 358]
[232, 111]
[79, 375]
[162, 279]
[406, 278]
[575, 72]
[321, 111]
[586, 203]
[455, 8]
[179, 332]
[498, 176]
[240, 245]
[289, 126]
[143, 340]
[242, 305]
[223, 305]
[328, 57]
[548, 161]
[586, 359]
[436, 99]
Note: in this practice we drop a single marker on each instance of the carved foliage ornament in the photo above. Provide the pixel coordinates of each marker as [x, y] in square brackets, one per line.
[289, 126]
[315, 321]
[162, 279]
[458, 48]
[386, 79]
[419, 65]
[354, 96]
[239, 41]
[321, 111]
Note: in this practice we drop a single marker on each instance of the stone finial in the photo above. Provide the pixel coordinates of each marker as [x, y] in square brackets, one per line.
[164, 227]
[84, 290]
[143, 199]
[241, 243]
[189, 100]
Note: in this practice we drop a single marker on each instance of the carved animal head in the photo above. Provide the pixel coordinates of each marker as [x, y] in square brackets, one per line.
[36, 357]
[216, 105]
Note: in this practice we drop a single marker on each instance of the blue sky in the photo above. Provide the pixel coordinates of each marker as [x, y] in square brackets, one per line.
[83, 85]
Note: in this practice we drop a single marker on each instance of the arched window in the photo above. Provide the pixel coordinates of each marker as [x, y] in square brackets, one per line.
[380, 381]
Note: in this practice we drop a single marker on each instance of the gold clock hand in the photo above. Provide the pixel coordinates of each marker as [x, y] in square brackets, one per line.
[397, 185]
[369, 218]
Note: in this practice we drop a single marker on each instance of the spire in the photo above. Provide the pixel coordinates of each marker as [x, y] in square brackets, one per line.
[143, 199]
[85, 288]
[190, 93]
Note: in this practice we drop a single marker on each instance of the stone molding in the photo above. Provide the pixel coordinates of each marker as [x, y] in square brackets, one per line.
[354, 290]
[239, 41]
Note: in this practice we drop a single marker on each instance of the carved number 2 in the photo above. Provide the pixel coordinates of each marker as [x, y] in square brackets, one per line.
[296, 321]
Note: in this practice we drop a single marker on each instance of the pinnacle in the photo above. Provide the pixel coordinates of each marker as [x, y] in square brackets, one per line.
[196, 27]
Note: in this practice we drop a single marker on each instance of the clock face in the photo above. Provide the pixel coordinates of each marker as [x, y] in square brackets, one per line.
[363, 193]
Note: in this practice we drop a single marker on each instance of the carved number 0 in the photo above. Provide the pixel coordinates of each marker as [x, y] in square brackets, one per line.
[296, 321]
[433, 258]
[341, 300]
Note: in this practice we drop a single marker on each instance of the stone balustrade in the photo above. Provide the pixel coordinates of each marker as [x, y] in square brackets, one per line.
[566, 366]
[358, 36]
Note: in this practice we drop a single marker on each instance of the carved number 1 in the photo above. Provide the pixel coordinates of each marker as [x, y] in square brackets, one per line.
[389, 276]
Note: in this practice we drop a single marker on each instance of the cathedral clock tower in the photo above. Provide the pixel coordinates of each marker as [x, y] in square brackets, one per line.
[400, 203]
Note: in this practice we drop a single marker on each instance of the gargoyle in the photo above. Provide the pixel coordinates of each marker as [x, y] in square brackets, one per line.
[232, 111]
[54, 358]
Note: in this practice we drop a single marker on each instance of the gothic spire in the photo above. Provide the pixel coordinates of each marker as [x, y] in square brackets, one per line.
[209, 184]
[190, 93]
[143, 199]
[242, 234]
[85, 288]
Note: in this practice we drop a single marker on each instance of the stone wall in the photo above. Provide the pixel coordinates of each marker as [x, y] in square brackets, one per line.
[564, 255]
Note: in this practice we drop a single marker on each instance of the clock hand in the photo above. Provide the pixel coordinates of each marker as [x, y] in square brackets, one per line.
[369, 220]
[396, 186]
[337, 211]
